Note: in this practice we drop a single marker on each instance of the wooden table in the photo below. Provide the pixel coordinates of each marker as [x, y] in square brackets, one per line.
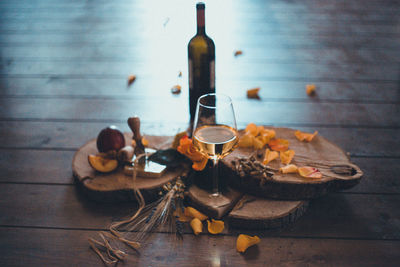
[63, 77]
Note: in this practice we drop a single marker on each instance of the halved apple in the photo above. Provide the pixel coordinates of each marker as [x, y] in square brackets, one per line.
[102, 164]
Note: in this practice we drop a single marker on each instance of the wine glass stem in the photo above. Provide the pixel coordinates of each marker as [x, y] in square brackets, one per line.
[215, 189]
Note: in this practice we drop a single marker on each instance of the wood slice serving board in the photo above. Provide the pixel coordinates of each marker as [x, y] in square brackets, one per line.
[258, 213]
[116, 186]
[293, 186]
[246, 211]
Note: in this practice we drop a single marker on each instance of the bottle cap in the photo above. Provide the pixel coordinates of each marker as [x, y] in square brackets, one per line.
[200, 5]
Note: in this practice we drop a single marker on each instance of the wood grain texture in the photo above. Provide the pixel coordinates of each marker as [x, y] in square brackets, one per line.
[63, 77]
[354, 114]
[67, 135]
[293, 186]
[50, 247]
[335, 215]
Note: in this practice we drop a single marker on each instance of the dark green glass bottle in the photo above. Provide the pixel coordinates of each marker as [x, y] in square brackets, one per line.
[201, 55]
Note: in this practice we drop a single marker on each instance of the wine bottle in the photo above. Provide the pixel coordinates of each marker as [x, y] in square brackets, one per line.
[201, 55]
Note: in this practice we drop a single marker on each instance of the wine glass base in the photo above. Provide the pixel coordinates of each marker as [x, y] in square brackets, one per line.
[218, 200]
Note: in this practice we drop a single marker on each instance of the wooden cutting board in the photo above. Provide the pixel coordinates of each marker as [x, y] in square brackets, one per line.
[293, 186]
[116, 186]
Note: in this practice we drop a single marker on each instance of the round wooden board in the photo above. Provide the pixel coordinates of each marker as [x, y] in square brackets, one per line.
[293, 186]
[246, 211]
[116, 186]
[258, 213]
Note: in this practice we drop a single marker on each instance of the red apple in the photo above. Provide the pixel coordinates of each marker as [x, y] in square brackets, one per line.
[110, 138]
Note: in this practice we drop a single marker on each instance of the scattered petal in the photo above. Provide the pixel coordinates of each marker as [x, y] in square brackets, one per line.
[289, 169]
[238, 52]
[176, 89]
[287, 156]
[200, 165]
[181, 216]
[253, 93]
[145, 142]
[177, 138]
[215, 226]
[310, 172]
[246, 140]
[301, 136]
[310, 89]
[197, 226]
[252, 129]
[131, 79]
[193, 213]
[245, 241]
[257, 143]
[187, 148]
[270, 156]
[279, 144]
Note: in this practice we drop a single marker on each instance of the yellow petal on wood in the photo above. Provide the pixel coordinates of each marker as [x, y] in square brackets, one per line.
[291, 168]
[287, 156]
[197, 226]
[215, 226]
[301, 136]
[243, 242]
[279, 144]
[257, 143]
[176, 89]
[238, 52]
[246, 140]
[252, 129]
[269, 132]
[310, 172]
[310, 89]
[253, 93]
[179, 214]
[270, 156]
[193, 213]
[131, 79]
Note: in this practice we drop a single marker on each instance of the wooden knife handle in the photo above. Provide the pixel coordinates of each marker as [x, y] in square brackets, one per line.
[134, 124]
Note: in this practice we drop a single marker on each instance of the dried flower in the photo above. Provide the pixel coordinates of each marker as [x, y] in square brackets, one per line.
[187, 148]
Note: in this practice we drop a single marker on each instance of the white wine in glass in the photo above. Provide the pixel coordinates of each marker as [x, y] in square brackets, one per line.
[214, 132]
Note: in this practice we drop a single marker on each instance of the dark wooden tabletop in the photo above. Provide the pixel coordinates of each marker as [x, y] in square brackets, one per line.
[63, 77]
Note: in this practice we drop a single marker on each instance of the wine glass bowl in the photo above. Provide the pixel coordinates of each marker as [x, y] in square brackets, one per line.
[215, 132]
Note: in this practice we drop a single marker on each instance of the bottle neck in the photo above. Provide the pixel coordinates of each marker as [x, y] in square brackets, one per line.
[201, 28]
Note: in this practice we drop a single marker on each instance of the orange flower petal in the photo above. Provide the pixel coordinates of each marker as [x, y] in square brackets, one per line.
[186, 148]
[279, 144]
[245, 241]
[215, 226]
[287, 156]
[305, 136]
[246, 140]
[197, 226]
[310, 172]
[193, 213]
[181, 216]
[253, 93]
[252, 129]
[291, 168]
[257, 143]
[310, 89]
[200, 165]
[270, 156]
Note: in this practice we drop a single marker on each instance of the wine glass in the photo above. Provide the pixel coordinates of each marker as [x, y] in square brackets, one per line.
[214, 132]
